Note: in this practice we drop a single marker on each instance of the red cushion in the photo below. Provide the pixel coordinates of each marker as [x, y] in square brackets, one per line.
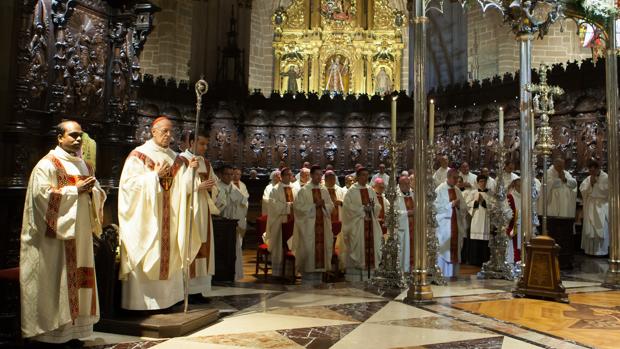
[263, 247]
[11, 274]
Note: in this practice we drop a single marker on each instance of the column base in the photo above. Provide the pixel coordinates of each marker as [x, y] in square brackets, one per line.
[419, 294]
[612, 278]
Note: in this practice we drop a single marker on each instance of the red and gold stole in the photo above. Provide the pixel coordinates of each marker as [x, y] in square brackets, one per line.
[409, 206]
[454, 229]
[319, 232]
[332, 194]
[369, 241]
[512, 225]
[382, 214]
[82, 277]
[179, 161]
[205, 247]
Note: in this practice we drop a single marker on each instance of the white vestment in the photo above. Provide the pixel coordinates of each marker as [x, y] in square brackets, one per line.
[440, 176]
[480, 228]
[57, 267]
[265, 202]
[384, 176]
[561, 197]
[309, 251]
[279, 212]
[354, 249]
[404, 232]
[471, 179]
[449, 265]
[202, 266]
[595, 232]
[151, 232]
[491, 184]
[233, 204]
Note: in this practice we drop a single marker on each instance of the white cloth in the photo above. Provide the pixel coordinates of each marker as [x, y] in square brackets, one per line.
[384, 176]
[304, 234]
[443, 207]
[203, 254]
[151, 252]
[403, 231]
[595, 232]
[440, 176]
[265, 200]
[56, 242]
[491, 184]
[353, 248]
[562, 197]
[480, 227]
[471, 179]
[233, 204]
[278, 212]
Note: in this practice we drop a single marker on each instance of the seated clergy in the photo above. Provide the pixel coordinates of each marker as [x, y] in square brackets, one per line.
[313, 241]
[233, 204]
[405, 222]
[513, 250]
[451, 219]
[479, 204]
[202, 267]
[360, 228]
[62, 212]
[152, 204]
[379, 188]
[595, 193]
[280, 219]
[274, 178]
[561, 191]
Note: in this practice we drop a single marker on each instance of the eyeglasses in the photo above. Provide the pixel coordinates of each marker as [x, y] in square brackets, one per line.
[163, 130]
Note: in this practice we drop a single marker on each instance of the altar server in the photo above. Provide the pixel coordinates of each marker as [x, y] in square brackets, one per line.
[479, 205]
[595, 194]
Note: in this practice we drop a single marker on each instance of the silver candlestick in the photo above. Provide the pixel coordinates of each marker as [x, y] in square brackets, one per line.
[432, 243]
[497, 267]
[390, 272]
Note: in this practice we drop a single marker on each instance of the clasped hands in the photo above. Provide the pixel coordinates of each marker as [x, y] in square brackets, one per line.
[85, 185]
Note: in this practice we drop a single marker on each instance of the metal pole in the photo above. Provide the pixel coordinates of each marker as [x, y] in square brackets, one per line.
[525, 111]
[612, 279]
[419, 290]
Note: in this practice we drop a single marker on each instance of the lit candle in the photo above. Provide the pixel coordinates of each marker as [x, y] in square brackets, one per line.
[431, 121]
[501, 125]
[394, 118]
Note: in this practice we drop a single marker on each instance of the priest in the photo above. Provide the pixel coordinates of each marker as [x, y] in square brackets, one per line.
[379, 188]
[280, 219]
[561, 191]
[513, 250]
[451, 219]
[233, 204]
[202, 266]
[595, 193]
[274, 179]
[381, 174]
[405, 222]
[312, 242]
[361, 229]
[62, 212]
[152, 204]
[442, 172]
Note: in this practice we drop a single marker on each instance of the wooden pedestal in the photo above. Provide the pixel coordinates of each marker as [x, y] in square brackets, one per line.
[541, 277]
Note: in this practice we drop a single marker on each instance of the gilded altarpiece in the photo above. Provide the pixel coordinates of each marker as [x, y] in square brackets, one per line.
[340, 47]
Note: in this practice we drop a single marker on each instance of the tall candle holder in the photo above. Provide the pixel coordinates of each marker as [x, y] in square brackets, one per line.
[435, 276]
[497, 267]
[390, 272]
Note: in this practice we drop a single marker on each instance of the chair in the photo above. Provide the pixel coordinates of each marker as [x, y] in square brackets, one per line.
[262, 252]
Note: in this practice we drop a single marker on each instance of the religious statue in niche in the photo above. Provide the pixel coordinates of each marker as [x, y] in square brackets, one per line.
[514, 149]
[37, 48]
[282, 147]
[335, 73]
[384, 152]
[566, 142]
[222, 138]
[383, 83]
[330, 148]
[338, 10]
[292, 74]
[355, 147]
[257, 145]
[589, 140]
[305, 147]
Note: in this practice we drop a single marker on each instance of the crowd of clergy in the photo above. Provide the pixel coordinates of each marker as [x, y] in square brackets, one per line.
[166, 201]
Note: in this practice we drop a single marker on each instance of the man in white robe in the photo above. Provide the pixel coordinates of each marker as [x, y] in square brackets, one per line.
[233, 204]
[202, 266]
[469, 179]
[561, 191]
[236, 179]
[280, 219]
[405, 222]
[479, 205]
[62, 212]
[491, 183]
[313, 240]
[451, 218]
[442, 172]
[379, 188]
[513, 250]
[361, 230]
[306, 165]
[152, 197]
[304, 178]
[274, 179]
[595, 194]
[381, 174]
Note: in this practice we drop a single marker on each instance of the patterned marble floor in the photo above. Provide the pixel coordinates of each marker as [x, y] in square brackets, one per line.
[468, 313]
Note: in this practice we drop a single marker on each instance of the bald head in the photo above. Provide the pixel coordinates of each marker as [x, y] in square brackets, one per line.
[403, 184]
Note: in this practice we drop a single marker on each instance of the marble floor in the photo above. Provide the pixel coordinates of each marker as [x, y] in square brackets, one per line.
[468, 313]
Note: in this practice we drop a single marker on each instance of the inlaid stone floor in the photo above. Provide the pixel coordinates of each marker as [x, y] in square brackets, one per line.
[468, 313]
